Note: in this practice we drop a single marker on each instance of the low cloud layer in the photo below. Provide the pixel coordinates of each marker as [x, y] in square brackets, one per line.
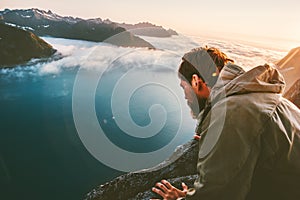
[92, 55]
[244, 55]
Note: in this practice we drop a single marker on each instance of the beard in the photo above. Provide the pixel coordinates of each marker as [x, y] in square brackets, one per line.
[197, 106]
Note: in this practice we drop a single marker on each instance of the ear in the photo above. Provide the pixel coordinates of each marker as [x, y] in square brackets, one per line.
[196, 82]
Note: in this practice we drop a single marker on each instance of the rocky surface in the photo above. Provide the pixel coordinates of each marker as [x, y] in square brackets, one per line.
[180, 167]
[289, 66]
[18, 46]
[293, 94]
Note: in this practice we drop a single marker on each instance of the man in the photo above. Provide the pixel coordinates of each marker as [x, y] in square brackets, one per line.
[249, 135]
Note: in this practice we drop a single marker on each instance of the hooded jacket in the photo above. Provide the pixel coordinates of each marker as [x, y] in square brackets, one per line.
[250, 139]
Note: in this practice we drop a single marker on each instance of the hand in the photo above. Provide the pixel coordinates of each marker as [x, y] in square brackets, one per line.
[168, 191]
[197, 137]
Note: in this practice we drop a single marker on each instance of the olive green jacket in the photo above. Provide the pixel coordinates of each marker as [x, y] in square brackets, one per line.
[250, 139]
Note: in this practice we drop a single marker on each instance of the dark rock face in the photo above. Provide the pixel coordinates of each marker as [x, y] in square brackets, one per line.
[44, 23]
[148, 29]
[293, 94]
[289, 66]
[18, 46]
[180, 167]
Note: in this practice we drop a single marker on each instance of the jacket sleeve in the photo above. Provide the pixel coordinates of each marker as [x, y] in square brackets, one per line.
[229, 150]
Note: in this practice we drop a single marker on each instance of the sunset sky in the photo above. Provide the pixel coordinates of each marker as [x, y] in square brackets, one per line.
[265, 19]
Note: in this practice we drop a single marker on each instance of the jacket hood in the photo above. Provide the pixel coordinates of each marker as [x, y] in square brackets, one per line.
[233, 80]
[203, 62]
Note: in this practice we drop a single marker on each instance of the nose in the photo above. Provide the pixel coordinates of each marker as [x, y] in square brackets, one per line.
[185, 94]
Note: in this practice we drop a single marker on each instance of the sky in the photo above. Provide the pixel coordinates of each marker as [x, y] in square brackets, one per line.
[265, 19]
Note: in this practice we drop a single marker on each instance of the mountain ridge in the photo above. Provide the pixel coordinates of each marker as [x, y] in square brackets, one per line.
[47, 23]
[148, 29]
[18, 46]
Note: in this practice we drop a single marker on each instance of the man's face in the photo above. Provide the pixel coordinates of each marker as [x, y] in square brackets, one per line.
[195, 94]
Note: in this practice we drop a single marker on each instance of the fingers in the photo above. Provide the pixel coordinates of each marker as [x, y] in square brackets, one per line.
[167, 191]
[158, 191]
[184, 187]
[162, 187]
[167, 184]
[197, 137]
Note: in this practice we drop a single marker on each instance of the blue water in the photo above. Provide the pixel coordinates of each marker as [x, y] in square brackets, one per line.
[41, 154]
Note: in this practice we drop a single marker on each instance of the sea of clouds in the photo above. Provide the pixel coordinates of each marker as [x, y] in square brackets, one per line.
[93, 55]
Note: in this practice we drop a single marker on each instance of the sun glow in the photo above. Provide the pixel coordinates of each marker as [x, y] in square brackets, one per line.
[275, 24]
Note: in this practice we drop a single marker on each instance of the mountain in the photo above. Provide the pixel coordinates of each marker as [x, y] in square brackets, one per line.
[293, 94]
[289, 66]
[127, 39]
[148, 29]
[18, 46]
[46, 23]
